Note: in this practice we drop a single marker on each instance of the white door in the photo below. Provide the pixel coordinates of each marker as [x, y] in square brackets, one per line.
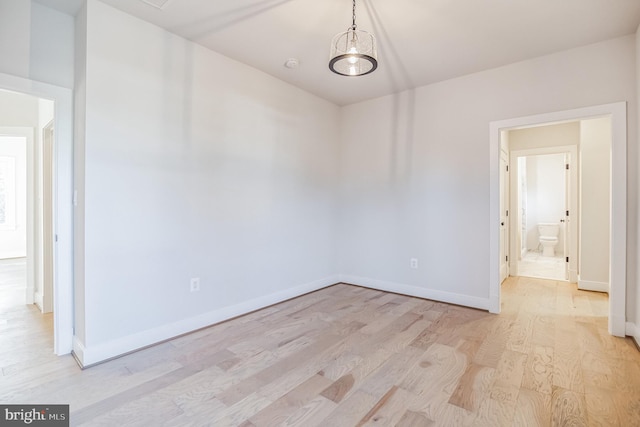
[504, 215]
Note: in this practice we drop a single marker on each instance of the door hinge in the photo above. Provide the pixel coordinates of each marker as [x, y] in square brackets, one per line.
[567, 259]
[507, 212]
[55, 237]
[567, 166]
[506, 258]
[507, 168]
[567, 213]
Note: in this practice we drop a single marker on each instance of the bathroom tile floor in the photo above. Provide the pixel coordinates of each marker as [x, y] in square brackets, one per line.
[534, 264]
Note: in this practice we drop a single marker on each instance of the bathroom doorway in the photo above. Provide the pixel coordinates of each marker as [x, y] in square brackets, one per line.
[598, 227]
[541, 207]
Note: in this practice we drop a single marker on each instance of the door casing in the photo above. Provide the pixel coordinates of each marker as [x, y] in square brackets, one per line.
[505, 210]
[618, 202]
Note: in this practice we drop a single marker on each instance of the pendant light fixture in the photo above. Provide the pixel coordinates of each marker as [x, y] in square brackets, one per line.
[353, 52]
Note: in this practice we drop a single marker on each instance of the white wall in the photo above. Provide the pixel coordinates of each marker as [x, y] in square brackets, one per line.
[545, 136]
[427, 196]
[13, 238]
[551, 191]
[15, 20]
[531, 201]
[595, 149]
[79, 140]
[18, 112]
[51, 50]
[36, 42]
[195, 166]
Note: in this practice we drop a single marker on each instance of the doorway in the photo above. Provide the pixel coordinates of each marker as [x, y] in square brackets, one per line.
[26, 207]
[617, 188]
[541, 202]
[61, 207]
[544, 236]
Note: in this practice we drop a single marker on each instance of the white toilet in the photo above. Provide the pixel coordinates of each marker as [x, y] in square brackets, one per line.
[548, 233]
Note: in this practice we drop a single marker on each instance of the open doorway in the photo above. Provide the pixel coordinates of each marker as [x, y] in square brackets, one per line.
[561, 202]
[541, 206]
[26, 212]
[62, 206]
[543, 237]
[612, 249]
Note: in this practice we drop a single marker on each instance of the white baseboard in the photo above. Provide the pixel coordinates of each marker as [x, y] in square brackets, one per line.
[587, 285]
[38, 300]
[573, 276]
[31, 294]
[415, 291]
[634, 332]
[503, 272]
[78, 351]
[12, 255]
[90, 355]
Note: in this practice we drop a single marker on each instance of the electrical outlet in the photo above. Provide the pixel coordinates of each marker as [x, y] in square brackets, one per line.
[195, 284]
[414, 262]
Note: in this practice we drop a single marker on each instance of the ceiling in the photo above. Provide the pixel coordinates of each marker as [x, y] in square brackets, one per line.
[419, 41]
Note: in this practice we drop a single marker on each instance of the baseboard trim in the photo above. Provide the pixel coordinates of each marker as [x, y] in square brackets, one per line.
[504, 272]
[39, 300]
[634, 332]
[78, 351]
[415, 291]
[88, 355]
[13, 255]
[573, 276]
[587, 285]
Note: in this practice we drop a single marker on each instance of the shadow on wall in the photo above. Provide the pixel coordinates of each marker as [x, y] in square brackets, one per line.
[178, 62]
[403, 113]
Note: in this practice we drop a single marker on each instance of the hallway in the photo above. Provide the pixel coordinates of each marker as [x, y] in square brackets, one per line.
[26, 335]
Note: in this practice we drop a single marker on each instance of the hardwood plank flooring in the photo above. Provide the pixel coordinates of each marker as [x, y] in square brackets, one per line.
[348, 356]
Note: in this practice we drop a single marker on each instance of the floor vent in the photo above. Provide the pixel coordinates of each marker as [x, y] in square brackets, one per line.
[160, 4]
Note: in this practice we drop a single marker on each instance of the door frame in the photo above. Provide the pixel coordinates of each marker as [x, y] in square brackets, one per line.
[47, 179]
[62, 202]
[572, 269]
[505, 215]
[618, 205]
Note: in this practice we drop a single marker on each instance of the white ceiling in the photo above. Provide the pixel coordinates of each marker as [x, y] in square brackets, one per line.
[419, 41]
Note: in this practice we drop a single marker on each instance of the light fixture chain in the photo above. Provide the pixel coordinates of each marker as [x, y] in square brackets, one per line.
[354, 15]
[353, 52]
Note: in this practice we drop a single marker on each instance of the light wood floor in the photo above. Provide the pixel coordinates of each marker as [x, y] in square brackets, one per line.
[349, 356]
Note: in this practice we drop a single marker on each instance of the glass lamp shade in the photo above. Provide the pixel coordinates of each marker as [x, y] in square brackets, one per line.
[353, 53]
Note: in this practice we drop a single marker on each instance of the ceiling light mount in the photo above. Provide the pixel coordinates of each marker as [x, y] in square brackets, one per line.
[353, 52]
[292, 63]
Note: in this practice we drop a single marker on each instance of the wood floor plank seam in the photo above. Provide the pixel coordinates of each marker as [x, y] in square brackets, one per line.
[350, 356]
